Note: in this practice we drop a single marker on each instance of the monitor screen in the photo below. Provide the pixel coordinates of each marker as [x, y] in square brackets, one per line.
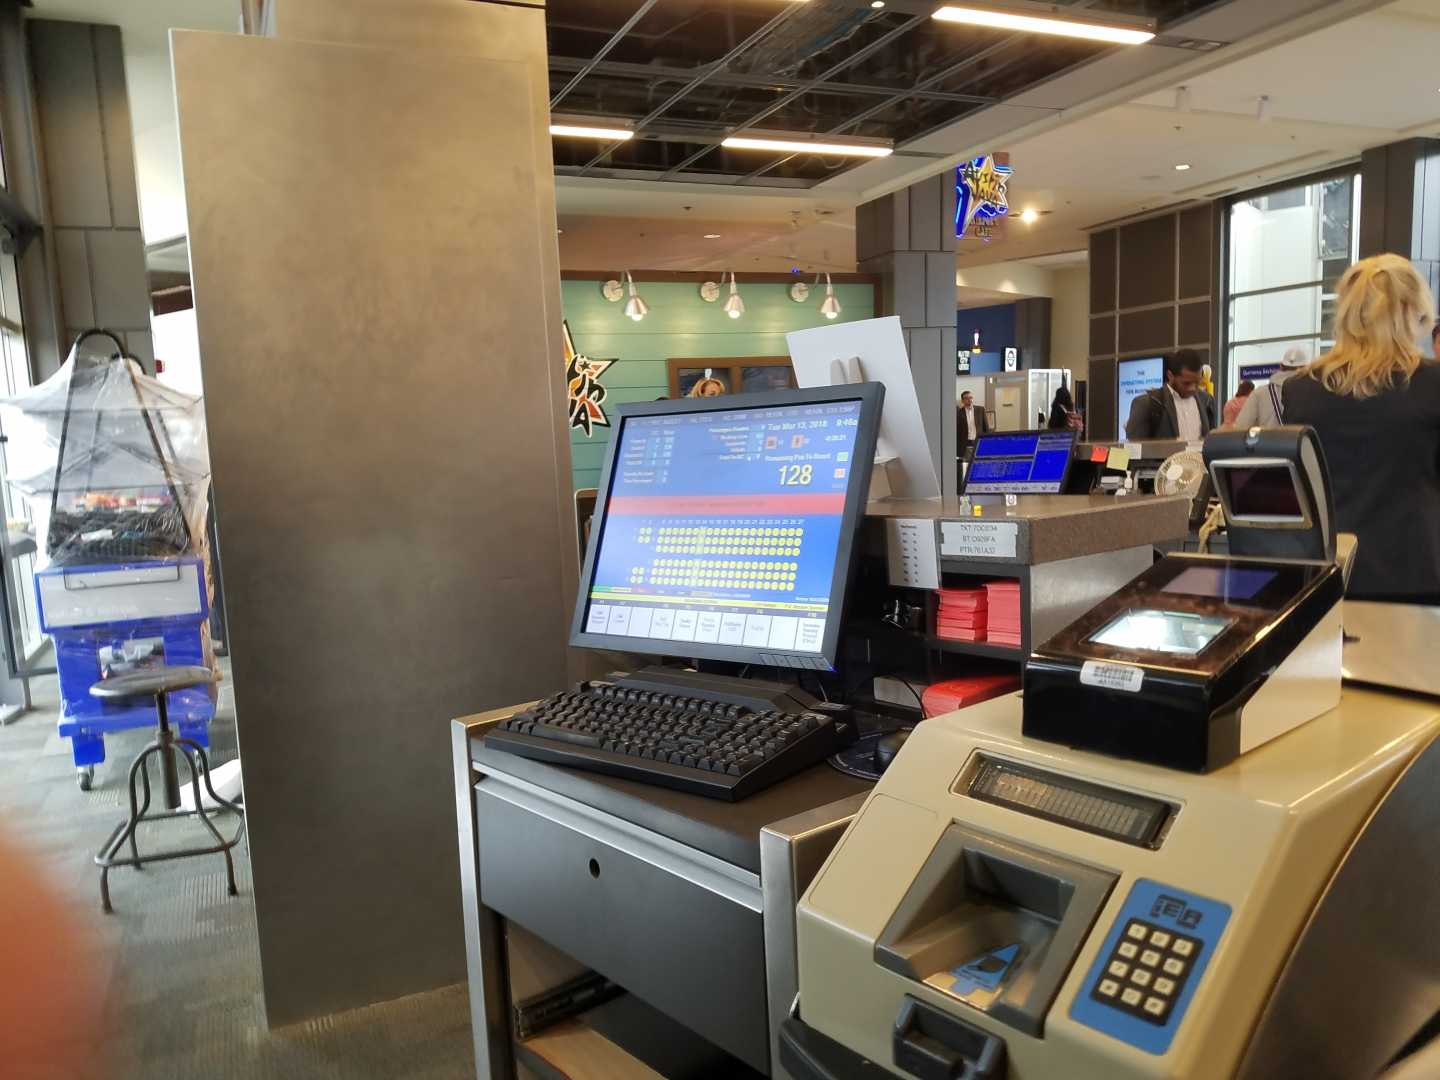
[1262, 492]
[1133, 378]
[1183, 633]
[1221, 582]
[726, 530]
[1020, 463]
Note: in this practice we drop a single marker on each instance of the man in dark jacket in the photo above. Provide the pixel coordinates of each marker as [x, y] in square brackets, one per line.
[1179, 409]
[970, 424]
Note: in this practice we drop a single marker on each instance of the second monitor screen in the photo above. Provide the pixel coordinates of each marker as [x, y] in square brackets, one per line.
[1023, 463]
[724, 527]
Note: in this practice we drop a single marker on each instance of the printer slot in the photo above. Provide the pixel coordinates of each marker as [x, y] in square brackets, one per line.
[994, 925]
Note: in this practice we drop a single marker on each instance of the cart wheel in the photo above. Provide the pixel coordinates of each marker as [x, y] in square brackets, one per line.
[85, 776]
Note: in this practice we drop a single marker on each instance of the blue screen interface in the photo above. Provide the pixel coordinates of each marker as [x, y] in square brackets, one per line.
[1022, 463]
[724, 527]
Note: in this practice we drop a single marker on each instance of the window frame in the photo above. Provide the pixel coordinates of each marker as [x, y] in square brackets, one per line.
[731, 365]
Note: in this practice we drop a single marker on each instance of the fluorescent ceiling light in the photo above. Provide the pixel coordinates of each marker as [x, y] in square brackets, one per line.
[1182, 168]
[1035, 24]
[585, 131]
[800, 144]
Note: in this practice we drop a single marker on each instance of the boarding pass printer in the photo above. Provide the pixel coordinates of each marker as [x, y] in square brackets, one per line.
[1184, 851]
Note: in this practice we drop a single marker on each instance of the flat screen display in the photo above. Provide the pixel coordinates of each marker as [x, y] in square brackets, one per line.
[1222, 582]
[1134, 377]
[1020, 463]
[1181, 633]
[1266, 492]
[723, 528]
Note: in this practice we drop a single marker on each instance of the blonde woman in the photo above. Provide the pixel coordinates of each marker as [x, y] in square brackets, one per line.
[1376, 405]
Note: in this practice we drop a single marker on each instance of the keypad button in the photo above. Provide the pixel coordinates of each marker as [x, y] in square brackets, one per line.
[1131, 996]
[1136, 931]
[1140, 977]
[1118, 969]
[1164, 986]
[1129, 950]
[1154, 1006]
[1160, 939]
[1109, 987]
[1174, 967]
[1150, 958]
[1183, 947]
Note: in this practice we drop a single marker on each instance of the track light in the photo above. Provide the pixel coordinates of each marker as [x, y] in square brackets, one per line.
[734, 306]
[830, 307]
[1002, 19]
[635, 307]
[799, 143]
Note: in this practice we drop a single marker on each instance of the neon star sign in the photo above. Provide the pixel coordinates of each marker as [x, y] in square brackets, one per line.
[981, 198]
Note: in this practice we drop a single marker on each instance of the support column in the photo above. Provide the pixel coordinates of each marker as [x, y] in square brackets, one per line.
[1400, 204]
[908, 238]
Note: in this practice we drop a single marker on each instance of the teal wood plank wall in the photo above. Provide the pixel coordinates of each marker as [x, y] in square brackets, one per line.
[681, 324]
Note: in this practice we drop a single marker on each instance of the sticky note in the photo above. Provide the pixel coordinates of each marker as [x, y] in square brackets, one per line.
[1119, 458]
[1099, 453]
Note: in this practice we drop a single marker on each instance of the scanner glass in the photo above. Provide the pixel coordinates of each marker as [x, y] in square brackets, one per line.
[1180, 632]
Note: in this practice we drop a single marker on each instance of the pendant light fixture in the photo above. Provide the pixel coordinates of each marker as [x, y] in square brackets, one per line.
[635, 307]
[734, 306]
[830, 307]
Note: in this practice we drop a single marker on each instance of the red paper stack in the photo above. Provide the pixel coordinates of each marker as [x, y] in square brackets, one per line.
[962, 614]
[1004, 605]
[946, 697]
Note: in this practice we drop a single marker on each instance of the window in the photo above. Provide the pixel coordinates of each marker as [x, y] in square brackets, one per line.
[1287, 249]
[737, 374]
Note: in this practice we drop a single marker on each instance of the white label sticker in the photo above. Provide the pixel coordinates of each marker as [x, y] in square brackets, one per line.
[1112, 676]
[990, 539]
[910, 552]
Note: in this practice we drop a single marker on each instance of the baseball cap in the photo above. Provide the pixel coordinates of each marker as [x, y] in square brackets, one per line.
[1294, 357]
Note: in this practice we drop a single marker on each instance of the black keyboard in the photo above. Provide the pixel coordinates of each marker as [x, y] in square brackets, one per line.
[702, 745]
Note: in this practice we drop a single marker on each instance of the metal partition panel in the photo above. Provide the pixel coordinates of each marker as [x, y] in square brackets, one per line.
[367, 261]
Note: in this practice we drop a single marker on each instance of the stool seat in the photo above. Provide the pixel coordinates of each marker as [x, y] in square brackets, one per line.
[151, 681]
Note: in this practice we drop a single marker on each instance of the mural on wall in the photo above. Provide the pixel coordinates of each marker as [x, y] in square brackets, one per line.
[582, 381]
[982, 198]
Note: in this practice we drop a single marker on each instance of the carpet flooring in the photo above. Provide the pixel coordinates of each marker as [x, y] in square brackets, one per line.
[179, 959]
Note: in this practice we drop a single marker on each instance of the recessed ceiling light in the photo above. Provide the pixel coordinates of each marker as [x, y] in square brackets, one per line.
[877, 4]
[1010, 20]
[804, 144]
[712, 236]
[1182, 168]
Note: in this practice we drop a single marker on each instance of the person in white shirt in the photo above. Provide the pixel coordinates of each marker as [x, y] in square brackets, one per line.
[1266, 407]
[1179, 409]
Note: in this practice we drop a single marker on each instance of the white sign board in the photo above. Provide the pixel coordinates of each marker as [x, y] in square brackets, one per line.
[873, 350]
[911, 553]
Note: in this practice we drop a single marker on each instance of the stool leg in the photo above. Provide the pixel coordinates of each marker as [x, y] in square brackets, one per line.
[203, 816]
[128, 832]
[193, 747]
[144, 809]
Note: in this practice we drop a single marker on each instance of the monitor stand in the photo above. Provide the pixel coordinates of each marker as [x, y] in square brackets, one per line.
[758, 695]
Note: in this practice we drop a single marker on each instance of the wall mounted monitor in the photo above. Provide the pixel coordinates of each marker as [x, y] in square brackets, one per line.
[1133, 378]
[726, 526]
[1021, 463]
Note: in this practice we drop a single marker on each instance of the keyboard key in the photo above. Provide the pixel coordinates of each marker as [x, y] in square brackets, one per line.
[1182, 947]
[1131, 996]
[1150, 957]
[1140, 977]
[1118, 969]
[1136, 931]
[565, 735]
[1108, 987]
[1160, 939]
[1174, 967]
[1128, 950]
[1164, 986]
[1155, 1006]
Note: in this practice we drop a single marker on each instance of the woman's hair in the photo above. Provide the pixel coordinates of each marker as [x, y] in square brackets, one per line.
[1382, 309]
[707, 387]
[1245, 389]
[1062, 398]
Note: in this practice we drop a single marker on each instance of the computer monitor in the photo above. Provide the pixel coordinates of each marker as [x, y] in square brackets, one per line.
[1133, 378]
[726, 526]
[1021, 463]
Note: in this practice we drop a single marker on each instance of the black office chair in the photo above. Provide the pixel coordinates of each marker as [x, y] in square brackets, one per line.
[156, 683]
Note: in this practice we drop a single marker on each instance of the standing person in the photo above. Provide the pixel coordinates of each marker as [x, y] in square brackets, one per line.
[1266, 408]
[1179, 409]
[1062, 412]
[1231, 412]
[1375, 403]
[970, 424]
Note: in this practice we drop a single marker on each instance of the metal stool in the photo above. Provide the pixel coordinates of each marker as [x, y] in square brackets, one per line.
[156, 683]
